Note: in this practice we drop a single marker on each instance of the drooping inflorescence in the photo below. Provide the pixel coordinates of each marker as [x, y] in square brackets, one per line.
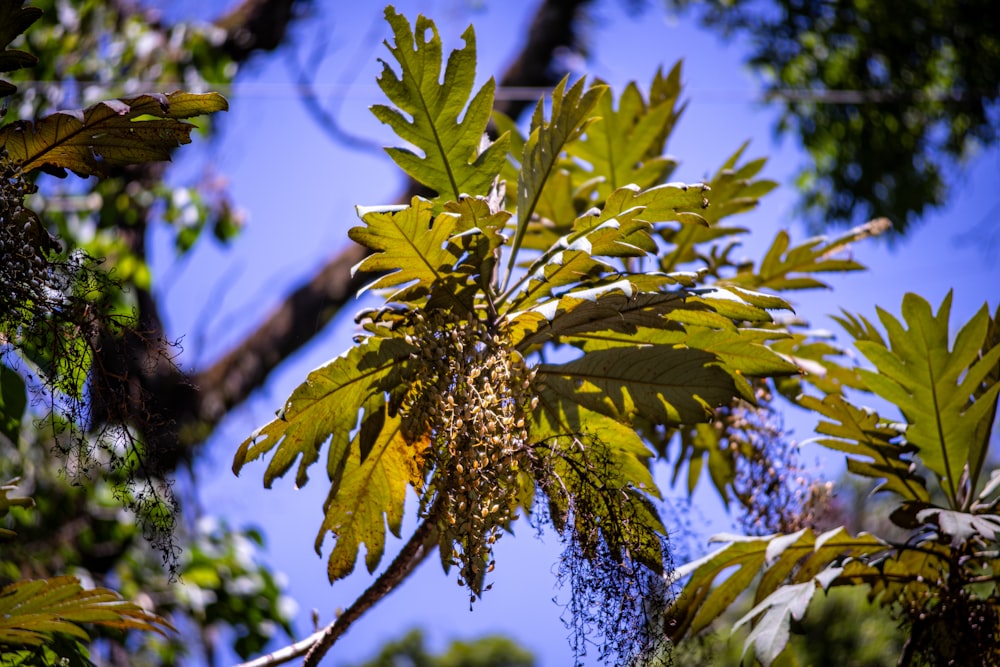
[469, 395]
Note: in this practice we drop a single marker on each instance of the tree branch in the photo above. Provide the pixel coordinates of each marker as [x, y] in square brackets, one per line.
[316, 645]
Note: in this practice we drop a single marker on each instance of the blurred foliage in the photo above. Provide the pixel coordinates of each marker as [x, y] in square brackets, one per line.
[841, 628]
[58, 303]
[410, 651]
[887, 97]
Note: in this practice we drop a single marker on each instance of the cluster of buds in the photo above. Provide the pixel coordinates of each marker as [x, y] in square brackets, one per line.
[469, 397]
[24, 270]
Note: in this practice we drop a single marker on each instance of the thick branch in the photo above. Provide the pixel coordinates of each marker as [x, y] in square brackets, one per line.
[292, 324]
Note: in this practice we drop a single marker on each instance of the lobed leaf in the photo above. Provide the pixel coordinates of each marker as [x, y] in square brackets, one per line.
[33, 612]
[792, 566]
[454, 161]
[862, 435]
[937, 388]
[662, 384]
[325, 408]
[625, 146]
[370, 493]
[410, 248]
[572, 113]
[108, 134]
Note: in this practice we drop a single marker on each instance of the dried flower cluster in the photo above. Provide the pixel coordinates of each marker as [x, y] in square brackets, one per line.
[469, 394]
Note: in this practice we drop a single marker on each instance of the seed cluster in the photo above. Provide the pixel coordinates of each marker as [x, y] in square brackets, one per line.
[24, 271]
[470, 393]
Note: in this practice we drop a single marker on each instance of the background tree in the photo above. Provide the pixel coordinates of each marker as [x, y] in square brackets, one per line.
[197, 398]
[886, 97]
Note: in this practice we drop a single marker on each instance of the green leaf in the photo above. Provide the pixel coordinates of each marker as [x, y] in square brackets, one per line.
[783, 560]
[731, 191]
[662, 384]
[325, 407]
[625, 147]
[792, 268]
[108, 134]
[860, 433]
[616, 306]
[13, 401]
[411, 248]
[33, 612]
[572, 113]
[933, 385]
[454, 161]
[370, 491]
[604, 464]
[14, 20]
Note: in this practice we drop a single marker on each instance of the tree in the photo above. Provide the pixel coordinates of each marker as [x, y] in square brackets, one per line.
[188, 405]
[886, 97]
[529, 348]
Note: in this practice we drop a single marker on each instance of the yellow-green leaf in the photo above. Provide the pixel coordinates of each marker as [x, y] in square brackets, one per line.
[32, 612]
[370, 493]
[454, 161]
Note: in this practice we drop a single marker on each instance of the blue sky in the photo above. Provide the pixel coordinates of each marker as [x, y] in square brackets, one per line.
[299, 189]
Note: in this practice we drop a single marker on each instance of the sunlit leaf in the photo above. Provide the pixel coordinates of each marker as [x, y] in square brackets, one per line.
[32, 612]
[933, 383]
[108, 134]
[626, 145]
[571, 114]
[873, 448]
[324, 409]
[370, 492]
[453, 162]
[410, 247]
[799, 558]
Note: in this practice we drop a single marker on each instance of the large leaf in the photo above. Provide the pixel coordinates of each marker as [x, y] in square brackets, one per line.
[326, 407]
[790, 268]
[109, 134]
[14, 19]
[452, 163]
[781, 561]
[369, 492]
[872, 446]
[410, 247]
[616, 306]
[32, 612]
[625, 147]
[572, 113]
[933, 384]
[602, 464]
[662, 384]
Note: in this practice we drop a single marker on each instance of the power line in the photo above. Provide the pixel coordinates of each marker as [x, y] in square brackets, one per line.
[289, 90]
